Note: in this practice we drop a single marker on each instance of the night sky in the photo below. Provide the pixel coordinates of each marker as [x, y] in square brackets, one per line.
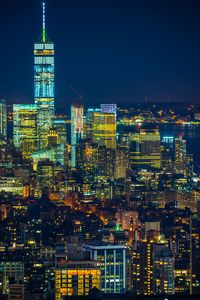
[110, 51]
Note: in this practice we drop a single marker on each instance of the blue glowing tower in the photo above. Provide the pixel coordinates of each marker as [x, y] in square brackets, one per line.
[44, 85]
[44, 70]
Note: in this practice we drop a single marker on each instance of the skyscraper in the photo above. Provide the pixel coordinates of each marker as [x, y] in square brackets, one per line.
[112, 262]
[3, 122]
[44, 84]
[104, 130]
[76, 129]
[180, 158]
[145, 149]
[44, 70]
[60, 126]
[25, 128]
[109, 109]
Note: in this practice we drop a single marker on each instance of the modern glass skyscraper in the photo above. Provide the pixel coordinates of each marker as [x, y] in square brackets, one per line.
[3, 122]
[44, 71]
[44, 85]
[104, 130]
[25, 128]
[112, 261]
[76, 129]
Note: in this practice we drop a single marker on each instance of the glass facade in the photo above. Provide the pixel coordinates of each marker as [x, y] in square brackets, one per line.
[111, 260]
[44, 124]
[44, 75]
[44, 89]
[77, 281]
[104, 130]
[3, 122]
[25, 128]
[76, 129]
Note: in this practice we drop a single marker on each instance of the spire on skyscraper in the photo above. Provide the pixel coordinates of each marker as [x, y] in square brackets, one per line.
[43, 24]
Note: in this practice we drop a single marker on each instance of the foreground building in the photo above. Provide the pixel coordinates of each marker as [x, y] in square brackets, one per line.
[111, 259]
[77, 278]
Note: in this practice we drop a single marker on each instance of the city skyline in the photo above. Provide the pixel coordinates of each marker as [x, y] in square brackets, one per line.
[101, 200]
[122, 52]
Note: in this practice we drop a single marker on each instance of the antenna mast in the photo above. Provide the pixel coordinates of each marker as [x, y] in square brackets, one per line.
[43, 25]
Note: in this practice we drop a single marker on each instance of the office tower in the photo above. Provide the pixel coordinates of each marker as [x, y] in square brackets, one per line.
[163, 270]
[180, 156]
[44, 84]
[60, 127]
[44, 124]
[55, 154]
[44, 71]
[52, 138]
[76, 129]
[112, 263]
[76, 278]
[25, 128]
[3, 122]
[11, 185]
[106, 161]
[121, 162]
[104, 130]
[146, 268]
[87, 159]
[145, 149]
[45, 174]
[88, 123]
[109, 109]
[10, 269]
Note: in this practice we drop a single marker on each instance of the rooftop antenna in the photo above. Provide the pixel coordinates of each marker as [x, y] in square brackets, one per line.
[43, 24]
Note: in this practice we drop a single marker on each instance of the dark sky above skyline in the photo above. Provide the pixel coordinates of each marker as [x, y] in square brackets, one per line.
[111, 51]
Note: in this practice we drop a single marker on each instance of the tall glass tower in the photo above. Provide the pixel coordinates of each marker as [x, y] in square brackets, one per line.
[44, 70]
[3, 122]
[44, 85]
[76, 129]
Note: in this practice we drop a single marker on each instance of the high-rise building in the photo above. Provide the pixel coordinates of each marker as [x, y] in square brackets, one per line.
[52, 138]
[77, 278]
[60, 127]
[104, 130]
[88, 122]
[87, 159]
[109, 108]
[45, 174]
[44, 70]
[10, 269]
[44, 124]
[163, 270]
[54, 153]
[76, 129]
[145, 149]
[106, 161]
[121, 162]
[44, 84]
[112, 262]
[25, 128]
[180, 158]
[3, 122]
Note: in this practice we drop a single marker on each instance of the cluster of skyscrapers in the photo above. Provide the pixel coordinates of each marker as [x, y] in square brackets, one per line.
[114, 211]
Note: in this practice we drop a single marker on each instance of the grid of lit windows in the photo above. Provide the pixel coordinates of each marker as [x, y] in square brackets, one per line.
[78, 281]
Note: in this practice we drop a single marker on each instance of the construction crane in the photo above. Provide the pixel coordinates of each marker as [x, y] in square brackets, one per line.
[76, 92]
